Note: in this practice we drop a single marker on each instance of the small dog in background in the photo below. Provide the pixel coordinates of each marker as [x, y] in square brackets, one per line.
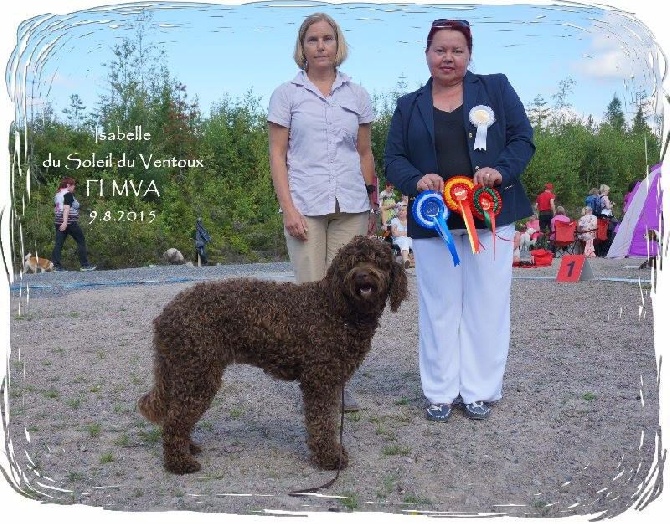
[33, 264]
[527, 241]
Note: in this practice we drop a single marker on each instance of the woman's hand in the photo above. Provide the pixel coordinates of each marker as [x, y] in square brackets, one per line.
[487, 176]
[430, 181]
[295, 224]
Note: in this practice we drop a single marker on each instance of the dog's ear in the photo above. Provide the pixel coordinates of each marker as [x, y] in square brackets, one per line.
[398, 291]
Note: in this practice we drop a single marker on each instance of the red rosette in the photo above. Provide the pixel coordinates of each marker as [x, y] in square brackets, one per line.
[456, 190]
[486, 205]
[457, 195]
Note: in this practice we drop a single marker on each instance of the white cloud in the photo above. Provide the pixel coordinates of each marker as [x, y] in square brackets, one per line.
[618, 49]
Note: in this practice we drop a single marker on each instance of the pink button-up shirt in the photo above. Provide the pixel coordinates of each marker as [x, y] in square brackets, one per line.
[323, 162]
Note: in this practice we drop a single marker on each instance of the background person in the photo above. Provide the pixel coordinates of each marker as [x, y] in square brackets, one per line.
[66, 208]
[607, 204]
[387, 204]
[399, 233]
[464, 310]
[202, 238]
[546, 207]
[587, 227]
[321, 153]
[560, 216]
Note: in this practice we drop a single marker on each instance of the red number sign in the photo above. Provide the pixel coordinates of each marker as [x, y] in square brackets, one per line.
[574, 268]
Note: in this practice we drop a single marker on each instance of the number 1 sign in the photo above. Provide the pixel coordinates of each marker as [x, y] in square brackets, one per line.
[574, 268]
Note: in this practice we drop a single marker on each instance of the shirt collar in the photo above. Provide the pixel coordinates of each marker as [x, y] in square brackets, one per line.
[301, 79]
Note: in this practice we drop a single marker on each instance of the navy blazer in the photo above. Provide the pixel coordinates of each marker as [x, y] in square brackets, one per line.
[410, 145]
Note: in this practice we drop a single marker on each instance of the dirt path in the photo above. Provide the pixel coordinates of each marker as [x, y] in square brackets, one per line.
[575, 434]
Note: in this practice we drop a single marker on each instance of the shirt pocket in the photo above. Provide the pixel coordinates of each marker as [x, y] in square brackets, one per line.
[345, 122]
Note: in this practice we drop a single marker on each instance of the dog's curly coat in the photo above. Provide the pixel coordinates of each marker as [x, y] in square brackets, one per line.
[317, 333]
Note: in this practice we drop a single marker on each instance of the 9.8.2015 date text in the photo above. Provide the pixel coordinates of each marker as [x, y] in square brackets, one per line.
[120, 215]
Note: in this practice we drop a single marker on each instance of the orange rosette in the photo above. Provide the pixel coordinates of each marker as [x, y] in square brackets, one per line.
[486, 205]
[458, 197]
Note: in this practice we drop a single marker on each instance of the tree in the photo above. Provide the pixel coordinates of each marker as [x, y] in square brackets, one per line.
[75, 112]
[538, 112]
[614, 115]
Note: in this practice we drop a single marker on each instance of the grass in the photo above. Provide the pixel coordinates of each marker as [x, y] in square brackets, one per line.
[75, 476]
[152, 436]
[417, 499]
[389, 483]
[94, 429]
[381, 429]
[52, 393]
[542, 506]
[25, 316]
[350, 500]
[353, 416]
[236, 413]
[106, 458]
[123, 440]
[395, 449]
[74, 403]
[589, 396]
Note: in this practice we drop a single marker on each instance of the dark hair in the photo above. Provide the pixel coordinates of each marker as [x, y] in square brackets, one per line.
[462, 26]
[66, 182]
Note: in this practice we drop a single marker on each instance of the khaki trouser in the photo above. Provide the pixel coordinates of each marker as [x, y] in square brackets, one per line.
[325, 236]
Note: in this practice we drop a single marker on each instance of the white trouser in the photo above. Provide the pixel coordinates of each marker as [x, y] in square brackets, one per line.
[464, 315]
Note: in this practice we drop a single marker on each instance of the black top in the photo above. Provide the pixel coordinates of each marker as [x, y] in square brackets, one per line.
[451, 148]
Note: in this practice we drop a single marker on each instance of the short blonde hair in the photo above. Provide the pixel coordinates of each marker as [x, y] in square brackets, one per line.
[560, 210]
[604, 187]
[342, 48]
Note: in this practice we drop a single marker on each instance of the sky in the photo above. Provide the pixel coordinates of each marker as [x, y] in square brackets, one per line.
[222, 47]
[218, 49]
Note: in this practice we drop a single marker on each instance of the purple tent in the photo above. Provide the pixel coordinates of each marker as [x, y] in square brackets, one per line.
[642, 214]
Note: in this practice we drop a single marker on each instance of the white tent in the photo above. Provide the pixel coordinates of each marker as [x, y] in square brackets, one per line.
[643, 214]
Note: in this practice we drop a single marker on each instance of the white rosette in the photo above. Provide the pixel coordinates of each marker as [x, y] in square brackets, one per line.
[481, 117]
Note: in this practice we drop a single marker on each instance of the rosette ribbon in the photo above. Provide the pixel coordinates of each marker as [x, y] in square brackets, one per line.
[430, 212]
[482, 118]
[486, 205]
[458, 197]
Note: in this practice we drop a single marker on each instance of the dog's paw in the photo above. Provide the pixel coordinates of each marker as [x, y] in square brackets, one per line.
[182, 465]
[194, 448]
[338, 458]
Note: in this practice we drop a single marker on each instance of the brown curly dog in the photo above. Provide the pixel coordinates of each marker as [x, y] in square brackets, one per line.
[317, 333]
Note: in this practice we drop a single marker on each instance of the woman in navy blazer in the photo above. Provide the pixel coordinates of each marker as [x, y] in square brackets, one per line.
[464, 309]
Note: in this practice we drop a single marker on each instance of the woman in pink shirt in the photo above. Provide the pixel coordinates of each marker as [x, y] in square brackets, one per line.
[559, 217]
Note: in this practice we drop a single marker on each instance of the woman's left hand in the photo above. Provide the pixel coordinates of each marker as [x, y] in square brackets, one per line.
[487, 176]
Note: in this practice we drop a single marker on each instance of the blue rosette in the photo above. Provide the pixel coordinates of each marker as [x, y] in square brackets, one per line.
[430, 212]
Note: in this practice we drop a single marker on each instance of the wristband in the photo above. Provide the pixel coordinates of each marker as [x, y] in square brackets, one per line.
[370, 188]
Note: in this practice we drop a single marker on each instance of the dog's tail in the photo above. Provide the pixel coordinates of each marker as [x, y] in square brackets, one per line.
[153, 405]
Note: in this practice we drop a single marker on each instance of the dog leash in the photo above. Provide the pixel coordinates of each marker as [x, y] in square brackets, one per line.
[307, 491]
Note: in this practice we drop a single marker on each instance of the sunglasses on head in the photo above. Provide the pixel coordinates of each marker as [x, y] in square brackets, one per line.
[444, 22]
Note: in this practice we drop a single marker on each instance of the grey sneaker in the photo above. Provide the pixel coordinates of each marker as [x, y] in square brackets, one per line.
[438, 412]
[478, 410]
[89, 268]
[350, 403]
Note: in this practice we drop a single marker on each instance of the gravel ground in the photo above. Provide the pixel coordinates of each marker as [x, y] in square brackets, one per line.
[577, 432]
